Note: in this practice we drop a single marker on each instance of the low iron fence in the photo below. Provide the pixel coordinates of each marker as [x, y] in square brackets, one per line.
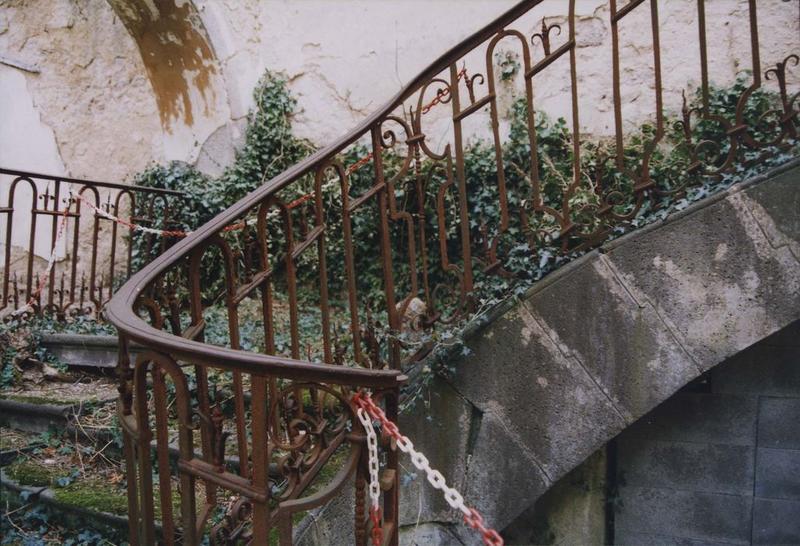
[62, 254]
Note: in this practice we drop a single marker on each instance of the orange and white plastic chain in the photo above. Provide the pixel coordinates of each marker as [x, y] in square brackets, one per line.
[130, 225]
[374, 483]
[365, 404]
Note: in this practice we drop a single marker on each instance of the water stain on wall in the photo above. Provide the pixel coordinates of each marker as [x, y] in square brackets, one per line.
[176, 53]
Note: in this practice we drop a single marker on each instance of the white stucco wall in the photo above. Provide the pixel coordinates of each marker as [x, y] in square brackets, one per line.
[77, 98]
[343, 59]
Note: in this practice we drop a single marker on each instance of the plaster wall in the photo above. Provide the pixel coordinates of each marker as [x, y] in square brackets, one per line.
[90, 74]
[100, 89]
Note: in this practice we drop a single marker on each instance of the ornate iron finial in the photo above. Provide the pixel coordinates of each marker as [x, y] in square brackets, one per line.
[544, 36]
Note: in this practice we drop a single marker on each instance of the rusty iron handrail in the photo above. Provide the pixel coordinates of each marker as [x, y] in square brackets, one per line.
[83, 279]
[295, 408]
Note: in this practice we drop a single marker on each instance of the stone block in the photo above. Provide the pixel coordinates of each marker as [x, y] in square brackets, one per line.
[333, 523]
[439, 426]
[775, 204]
[503, 477]
[778, 474]
[710, 468]
[776, 522]
[703, 418]
[626, 348]
[714, 277]
[684, 514]
[764, 369]
[572, 511]
[549, 401]
[779, 423]
[86, 350]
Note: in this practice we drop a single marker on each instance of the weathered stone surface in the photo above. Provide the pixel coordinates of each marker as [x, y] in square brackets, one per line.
[779, 423]
[775, 204]
[625, 347]
[683, 514]
[331, 524]
[547, 383]
[440, 429]
[640, 539]
[86, 350]
[776, 522]
[503, 476]
[713, 275]
[219, 149]
[711, 468]
[699, 417]
[572, 511]
[426, 534]
[778, 473]
[545, 400]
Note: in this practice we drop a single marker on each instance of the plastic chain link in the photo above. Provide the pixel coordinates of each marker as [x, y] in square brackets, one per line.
[365, 404]
[374, 483]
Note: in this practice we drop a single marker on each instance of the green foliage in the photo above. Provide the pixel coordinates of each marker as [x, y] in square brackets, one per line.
[37, 524]
[508, 63]
[269, 149]
[530, 246]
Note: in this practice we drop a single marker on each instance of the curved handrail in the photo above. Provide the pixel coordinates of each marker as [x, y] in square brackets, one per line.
[580, 211]
[119, 310]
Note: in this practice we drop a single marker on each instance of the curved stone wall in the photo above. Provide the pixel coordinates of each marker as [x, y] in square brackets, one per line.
[593, 347]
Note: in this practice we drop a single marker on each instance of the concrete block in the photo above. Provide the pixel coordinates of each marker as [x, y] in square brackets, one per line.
[503, 478]
[439, 427]
[779, 423]
[714, 276]
[776, 522]
[641, 539]
[764, 370]
[684, 514]
[687, 466]
[703, 418]
[778, 474]
[549, 401]
[428, 534]
[626, 348]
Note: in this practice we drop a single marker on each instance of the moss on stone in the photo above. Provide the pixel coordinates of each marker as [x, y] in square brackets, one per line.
[27, 472]
[93, 495]
[37, 400]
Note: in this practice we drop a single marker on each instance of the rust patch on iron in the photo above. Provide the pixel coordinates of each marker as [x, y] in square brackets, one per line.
[176, 53]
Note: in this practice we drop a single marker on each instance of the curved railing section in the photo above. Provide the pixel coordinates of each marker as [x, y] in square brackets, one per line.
[291, 250]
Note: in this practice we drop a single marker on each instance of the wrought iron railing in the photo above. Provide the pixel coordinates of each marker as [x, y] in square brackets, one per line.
[288, 407]
[83, 256]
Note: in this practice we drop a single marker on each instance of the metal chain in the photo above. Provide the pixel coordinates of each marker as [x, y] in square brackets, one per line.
[471, 516]
[374, 483]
